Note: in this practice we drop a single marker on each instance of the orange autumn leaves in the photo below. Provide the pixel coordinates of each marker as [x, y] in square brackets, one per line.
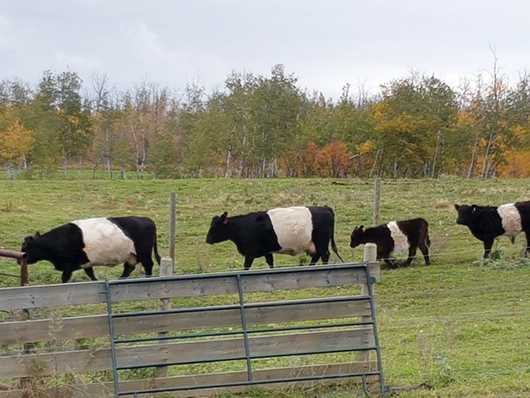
[331, 160]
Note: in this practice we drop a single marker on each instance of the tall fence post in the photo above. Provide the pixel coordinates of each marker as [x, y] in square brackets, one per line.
[24, 279]
[377, 199]
[370, 255]
[166, 269]
[25, 382]
[172, 226]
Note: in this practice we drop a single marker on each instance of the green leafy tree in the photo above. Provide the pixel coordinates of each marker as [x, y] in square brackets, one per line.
[277, 106]
[413, 117]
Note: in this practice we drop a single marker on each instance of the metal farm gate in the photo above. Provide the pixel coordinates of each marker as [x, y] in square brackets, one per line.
[249, 329]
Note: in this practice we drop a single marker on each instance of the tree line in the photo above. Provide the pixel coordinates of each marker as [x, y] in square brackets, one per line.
[266, 126]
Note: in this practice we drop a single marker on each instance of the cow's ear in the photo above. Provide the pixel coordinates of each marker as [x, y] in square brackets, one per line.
[473, 208]
[457, 207]
[37, 234]
[361, 227]
[223, 218]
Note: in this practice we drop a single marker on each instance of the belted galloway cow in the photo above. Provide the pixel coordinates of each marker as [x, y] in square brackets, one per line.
[289, 230]
[396, 236]
[82, 244]
[488, 222]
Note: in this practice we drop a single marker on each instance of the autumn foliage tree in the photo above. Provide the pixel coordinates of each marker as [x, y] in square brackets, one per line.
[333, 160]
[266, 126]
[15, 143]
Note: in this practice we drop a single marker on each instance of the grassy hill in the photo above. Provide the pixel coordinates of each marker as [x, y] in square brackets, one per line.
[460, 325]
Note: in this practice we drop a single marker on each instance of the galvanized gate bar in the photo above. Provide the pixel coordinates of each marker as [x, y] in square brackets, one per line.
[244, 326]
[112, 339]
[244, 331]
[240, 331]
[246, 305]
[243, 357]
[233, 274]
[251, 383]
[376, 335]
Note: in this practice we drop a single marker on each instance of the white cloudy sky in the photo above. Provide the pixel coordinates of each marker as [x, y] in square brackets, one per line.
[326, 43]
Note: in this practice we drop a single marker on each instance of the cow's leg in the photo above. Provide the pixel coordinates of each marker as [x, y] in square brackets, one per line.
[325, 256]
[65, 277]
[387, 259]
[322, 251]
[90, 273]
[527, 250]
[248, 262]
[425, 251]
[270, 260]
[147, 263]
[488, 244]
[412, 255]
[127, 269]
[314, 258]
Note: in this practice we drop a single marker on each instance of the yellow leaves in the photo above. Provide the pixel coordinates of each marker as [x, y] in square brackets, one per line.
[466, 118]
[482, 142]
[366, 146]
[16, 141]
[520, 131]
[74, 120]
[379, 110]
[98, 117]
[517, 164]
[407, 123]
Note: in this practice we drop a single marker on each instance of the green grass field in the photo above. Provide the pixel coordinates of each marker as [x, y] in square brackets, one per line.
[461, 325]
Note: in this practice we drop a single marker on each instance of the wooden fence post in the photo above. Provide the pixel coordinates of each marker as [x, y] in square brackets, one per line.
[166, 269]
[25, 383]
[377, 199]
[172, 227]
[370, 255]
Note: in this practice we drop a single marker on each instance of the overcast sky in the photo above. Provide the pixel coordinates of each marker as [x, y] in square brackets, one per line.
[326, 43]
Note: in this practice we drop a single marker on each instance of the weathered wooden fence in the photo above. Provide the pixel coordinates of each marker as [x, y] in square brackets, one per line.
[241, 317]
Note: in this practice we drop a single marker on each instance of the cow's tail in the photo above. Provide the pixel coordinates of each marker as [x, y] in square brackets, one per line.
[155, 249]
[333, 244]
[334, 247]
[427, 241]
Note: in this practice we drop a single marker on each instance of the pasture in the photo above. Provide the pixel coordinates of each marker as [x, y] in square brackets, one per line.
[460, 325]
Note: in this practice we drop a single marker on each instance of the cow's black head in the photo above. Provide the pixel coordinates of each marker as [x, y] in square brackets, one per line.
[218, 229]
[466, 214]
[357, 237]
[32, 248]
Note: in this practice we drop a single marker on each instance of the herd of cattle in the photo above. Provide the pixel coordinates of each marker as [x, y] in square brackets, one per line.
[86, 243]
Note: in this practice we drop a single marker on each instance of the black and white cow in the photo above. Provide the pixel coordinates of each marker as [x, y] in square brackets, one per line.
[289, 230]
[488, 222]
[396, 236]
[96, 241]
